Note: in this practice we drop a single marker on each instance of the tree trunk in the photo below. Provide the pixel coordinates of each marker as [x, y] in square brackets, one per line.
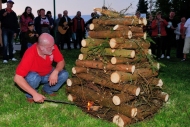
[92, 42]
[112, 34]
[133, 29]
[130, 44]
[119, 76]
[103, 99]
[137, 35]
[121, 60]
[97, 27]
[121, 120]
[74, 81]
[76, 70]
[122, 98]
[152, 65]
[98, 79]
[155, 81]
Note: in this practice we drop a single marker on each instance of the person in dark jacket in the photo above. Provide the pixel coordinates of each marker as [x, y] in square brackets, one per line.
[42, 23]
[9, 26]
[65, 22]
[48, 14]
[78, 29]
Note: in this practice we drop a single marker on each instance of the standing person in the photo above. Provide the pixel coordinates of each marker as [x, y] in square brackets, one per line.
[186, 35]
[57, 34]
[78, 29]
[179, 40]
[36, 67]
[25, 18]
[65, 23]
[9, 26]
[31, 35]
[170, 38]
[42, 23]
[49, 15]
[158, 34]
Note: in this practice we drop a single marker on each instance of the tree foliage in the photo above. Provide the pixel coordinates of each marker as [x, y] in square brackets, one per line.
[142, 6]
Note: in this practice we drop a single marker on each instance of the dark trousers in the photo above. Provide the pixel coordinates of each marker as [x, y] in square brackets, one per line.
[65, 38]
[168, 43]
[7, 38]
[79, 37]
[58, 39]
[157, 48]
[24, 44]
[180, 45]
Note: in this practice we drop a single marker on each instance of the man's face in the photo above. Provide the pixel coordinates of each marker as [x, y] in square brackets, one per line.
[59, 16]
[172, 14]
[28, 10]
[31, 28]
[42, 12]
[9, 5]
[65, 13]
[48, 48]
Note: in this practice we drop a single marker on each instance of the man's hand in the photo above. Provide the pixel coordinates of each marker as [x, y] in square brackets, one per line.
[38, 98]
[5, 13]
[53, 78]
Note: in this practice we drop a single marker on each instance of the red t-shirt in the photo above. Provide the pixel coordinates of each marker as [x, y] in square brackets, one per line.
[32, 62]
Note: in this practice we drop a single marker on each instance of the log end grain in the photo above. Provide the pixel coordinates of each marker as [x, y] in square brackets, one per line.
[133, 112]
[81, 57]
[69, 82]
[137, 91]
[115, 27]
[130, 35]
[132, 54]
[74, 70]
[83, 43]
[160, 83]
[91, 26]
[132, 69]
[71, 98]
[113, 60]
[112, 44]
[121, 120]
[116, 100]
[115, 77]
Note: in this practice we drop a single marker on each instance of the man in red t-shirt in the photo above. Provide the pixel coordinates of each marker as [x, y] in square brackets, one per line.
[36, 67]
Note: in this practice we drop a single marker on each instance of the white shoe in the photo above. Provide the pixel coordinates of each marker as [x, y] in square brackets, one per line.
[13, 59]
[168, 57]
[14, 51]
[162, 56]
[5, 61]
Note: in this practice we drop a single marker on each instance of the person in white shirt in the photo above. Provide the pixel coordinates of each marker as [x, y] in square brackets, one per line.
[186, 35]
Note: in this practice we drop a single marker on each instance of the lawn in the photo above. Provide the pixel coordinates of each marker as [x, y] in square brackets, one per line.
[16, 112]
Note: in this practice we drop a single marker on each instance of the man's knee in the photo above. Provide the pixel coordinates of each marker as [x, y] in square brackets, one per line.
[63, 75]
[33, 79]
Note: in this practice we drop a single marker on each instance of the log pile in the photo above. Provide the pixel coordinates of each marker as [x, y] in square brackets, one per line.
[116, 76]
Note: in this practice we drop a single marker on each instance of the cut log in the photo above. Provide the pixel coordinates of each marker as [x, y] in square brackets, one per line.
[120, 52]
[98, 79]
[111, 52]
[137, 35]
[92, 42]
[97, 27]
[133, 29]
[119, 76]
[163, 96]
[76, 70]
[108, 13]
[71, 98]
[121, 60]
[130, 44]
[102, 99]
[120, 21]
[83, 56]
[121, 120]
[101, 65]
[74, 81]
[113, 34]
[122, 98]
[141, 52]
[154, 65]
[156, 82]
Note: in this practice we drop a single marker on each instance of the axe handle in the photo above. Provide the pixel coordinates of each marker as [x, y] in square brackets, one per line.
[57, 101]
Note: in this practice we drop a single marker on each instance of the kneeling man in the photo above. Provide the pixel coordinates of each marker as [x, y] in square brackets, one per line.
[36, 67]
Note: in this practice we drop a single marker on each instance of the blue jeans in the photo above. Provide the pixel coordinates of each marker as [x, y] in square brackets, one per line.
[7, 38]
[34, 80]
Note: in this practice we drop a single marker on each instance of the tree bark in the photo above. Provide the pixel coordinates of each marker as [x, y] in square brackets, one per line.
[121, 120]
[76, 70]
[101, 65]
[152, 65]
[119, 76]
[155, 81]
[121, 60]
[102, 99]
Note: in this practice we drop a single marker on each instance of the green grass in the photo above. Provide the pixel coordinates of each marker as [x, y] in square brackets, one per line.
[16, 112]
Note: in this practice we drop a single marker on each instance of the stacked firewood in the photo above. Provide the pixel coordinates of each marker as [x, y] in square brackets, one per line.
[117, 71]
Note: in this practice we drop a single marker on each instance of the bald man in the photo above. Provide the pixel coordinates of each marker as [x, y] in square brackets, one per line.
[36, 68]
